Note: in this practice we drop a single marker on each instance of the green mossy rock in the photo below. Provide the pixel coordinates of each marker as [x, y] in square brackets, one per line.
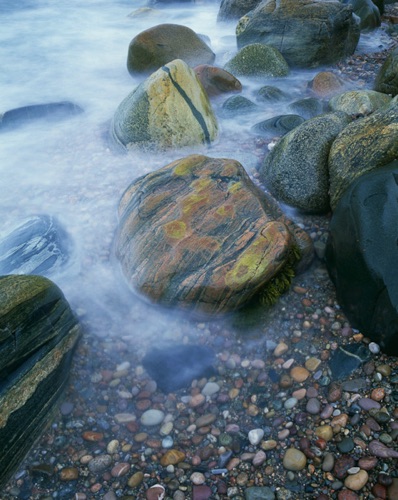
[296, 169]
[258, 60]
[364, 145]
[38, 333]
[199, 235]
[307, 33]
[170, 109]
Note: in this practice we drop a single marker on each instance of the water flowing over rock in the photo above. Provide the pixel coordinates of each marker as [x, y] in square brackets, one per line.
[38, 336]
[258, 60]
[307, 33]
[364, 145]
[387, 77]
[296, 170]
[361, 255]
[40, 245]
[367, 12]
[199, 235]
[216, 80]
[50, 112]
[169, 109]
[159, 45]
[234, 9]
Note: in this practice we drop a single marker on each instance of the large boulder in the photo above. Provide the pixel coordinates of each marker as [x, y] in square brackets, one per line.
[359, 102]
[258, 60]
[159, 45]
[364, 145]
[197, 234]
[296, 169]
[307, 33]
[170, 109]
[38, 333]
[387, 77]
[38, 245]
[234, 9]
[362, 257]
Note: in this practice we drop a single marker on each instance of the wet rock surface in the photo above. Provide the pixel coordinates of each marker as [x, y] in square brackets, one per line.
[38, 336]
[211, 242]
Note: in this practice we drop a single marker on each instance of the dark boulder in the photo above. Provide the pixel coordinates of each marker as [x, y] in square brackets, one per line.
[362, 256]
[234, 9]
[387, 77]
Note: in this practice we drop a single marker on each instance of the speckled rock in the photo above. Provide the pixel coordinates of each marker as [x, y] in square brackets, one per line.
[359, 102]
[199, 235]
[302, 31]
[159, 45]
[37, 340]
[296, 170]
[169, 109]
[258, 60]
[326, 84]
[364, 145]
[387, 77]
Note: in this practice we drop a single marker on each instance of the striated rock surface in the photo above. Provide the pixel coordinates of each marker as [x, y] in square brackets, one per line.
[199, 235]
[38, 333]
[364, 145]
[361, 255]
[159, 45]
[307, 33]
[170, 109]
[296, 170]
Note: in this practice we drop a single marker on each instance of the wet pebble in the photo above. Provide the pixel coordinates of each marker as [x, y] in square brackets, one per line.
[294, 460]
[313, 406]
[152, 417]
[99, 464]
[255, 436]
[356, 481]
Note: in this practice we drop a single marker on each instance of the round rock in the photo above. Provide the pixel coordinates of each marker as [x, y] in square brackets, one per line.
[294, 460]
[152, 417]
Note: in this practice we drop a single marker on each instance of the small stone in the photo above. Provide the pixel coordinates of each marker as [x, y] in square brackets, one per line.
[294, 460]
[378, 394]
[201, 492]
[197, 478]
[299, 373]
[112, 446]
[259, 493]
[152, 417]
[385, 370]
[197, 400]
[300, 394]
[155, 492]
[367, 404]
[290, 403]
[346, 445]
[259, 458]
[374, 348]
[367, 463]
[124, 418]
[325, 432]
[313, 406]
[172, 457]
[92, 436]
[269, 444]
[381, 450]
[136, 479]
[342, 465]
[280, 349]
[205, 420]
[312, 364]
[356, 481]
[210, 388]
[69, 474]
[99, 464]
[120, 469]
[255, 436]
[328, 462]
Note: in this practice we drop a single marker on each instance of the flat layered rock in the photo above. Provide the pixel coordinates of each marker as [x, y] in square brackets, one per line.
[199, 235]
[38, 333]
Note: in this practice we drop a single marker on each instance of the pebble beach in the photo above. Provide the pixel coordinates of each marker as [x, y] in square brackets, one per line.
[300, 405]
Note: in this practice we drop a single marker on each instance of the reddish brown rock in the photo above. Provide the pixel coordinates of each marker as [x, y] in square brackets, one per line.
[326, 84]
[172, 457]
[199, 235]
[342, 465]
[216, 80]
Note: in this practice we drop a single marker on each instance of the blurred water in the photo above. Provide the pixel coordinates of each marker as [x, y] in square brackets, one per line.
[76, 51]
